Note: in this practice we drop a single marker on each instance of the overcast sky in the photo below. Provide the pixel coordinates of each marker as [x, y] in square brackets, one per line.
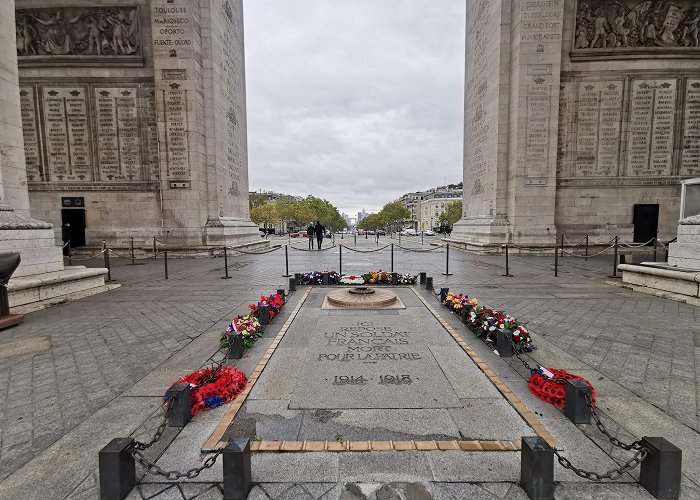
[355, 101]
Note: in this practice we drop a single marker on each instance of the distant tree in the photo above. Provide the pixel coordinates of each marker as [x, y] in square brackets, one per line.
[265, 214]
[394, 213]
[257, 199]
[451, 214]
[372, 221]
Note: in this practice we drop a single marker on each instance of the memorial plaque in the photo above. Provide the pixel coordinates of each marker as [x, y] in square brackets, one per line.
[118, 134]
[537, 142]
[173, 28]
[176, 132]
[690, 162]
[651, 127]
[149, 122]
[30, 130]
[380, 362]
[598, 134]
[67, 134]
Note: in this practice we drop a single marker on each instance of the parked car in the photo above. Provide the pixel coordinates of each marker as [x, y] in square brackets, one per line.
[429, 232]
[408, 232]
[381, 232]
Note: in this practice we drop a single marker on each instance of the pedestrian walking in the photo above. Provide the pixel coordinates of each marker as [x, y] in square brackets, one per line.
[320, 231]
[310, 235]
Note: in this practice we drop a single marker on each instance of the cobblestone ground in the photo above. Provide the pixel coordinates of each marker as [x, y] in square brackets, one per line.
[80, 355]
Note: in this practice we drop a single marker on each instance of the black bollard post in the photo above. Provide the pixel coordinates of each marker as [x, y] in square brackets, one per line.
[656, 242]
[165, 255]
[180, 410]
[117, 469]
[325, 278]
[576, 408]
[340, 263]
[586, 248]
[556, 260]
[394, 279]
[562, 245]
[660, 473]
[132, 252]
[264, 313]
[392, 257]
[508, 275]
[421, 238]
[537, 468]
[107, 263]
[443, 294]
[286, 262]
[614, 274]
[155, 248]
[292, 284]
[504, 344]
[421, 278]
[70, 260]
[447, 262]
[297, 277]
[235, 347]
[429, 283]
[355, 239]
[226, 276]
[237, 470]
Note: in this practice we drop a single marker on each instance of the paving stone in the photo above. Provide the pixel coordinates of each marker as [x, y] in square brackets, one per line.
[489, 419]
[404, 466]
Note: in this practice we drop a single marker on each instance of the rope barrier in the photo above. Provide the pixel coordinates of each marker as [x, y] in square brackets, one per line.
[632, 245]
[121, 255]
[365, 251]
[419, 250]
[254, 253]
[575, 244]
[571, 254]
[87, 258]
[312, 249]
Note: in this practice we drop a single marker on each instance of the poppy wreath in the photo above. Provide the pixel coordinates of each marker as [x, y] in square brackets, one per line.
[275, 301]
[221, 386]
[550, 391]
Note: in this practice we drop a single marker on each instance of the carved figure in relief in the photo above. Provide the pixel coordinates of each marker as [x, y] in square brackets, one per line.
[619, 30]
[26, 36]
[58, 41]
[689, 38]
[601, 25]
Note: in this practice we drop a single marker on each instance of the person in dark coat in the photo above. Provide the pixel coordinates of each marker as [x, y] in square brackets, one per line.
[310, 234]
[320, 230]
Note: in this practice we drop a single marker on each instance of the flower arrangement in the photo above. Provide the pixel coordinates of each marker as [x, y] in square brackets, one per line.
[316, 278]
[248, 326]
[275, 301]
[377, 277]
[407, 279]
[213, 387]
[485, 322]
[352, 279]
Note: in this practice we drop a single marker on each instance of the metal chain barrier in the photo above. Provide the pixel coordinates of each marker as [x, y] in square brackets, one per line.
[612, 474]
[139, 445]
[420, 250]
[87, 258]
[312, 249]
[636, 245]
[636, 445]
[254, 253]
[174, 475]
[365, 251]
[571, 254]
[123, 256]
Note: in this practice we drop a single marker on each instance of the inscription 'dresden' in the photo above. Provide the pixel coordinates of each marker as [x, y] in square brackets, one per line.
[366, 343]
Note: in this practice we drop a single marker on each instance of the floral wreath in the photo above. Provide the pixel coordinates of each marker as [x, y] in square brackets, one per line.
[552, 392]
[211, 387]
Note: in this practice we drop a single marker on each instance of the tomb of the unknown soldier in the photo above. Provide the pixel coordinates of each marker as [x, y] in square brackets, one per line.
[174, 328]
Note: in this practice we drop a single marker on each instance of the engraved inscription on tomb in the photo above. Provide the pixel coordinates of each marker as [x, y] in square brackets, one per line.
[78, 31]
[118, 145]
[367, 343]
[651, 127]
[690, 162]
[173, 29]
[598, 133]
[636, 25]
[541, 21]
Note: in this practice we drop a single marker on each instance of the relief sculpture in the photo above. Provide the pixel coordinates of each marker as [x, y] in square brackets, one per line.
[78, 31]
[610, 24]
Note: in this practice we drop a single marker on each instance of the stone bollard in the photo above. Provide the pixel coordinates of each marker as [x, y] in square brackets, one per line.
[421, 278]
[235, 348]
[117, 469]
[394, 279]
[292, 284]
[428, 283]
[537, 468]
[660, 474]
[443, 294]
[324, 278]
[237, 470]
[576, 408]
[297, 277]
[504, 346]
[264, 313]
[180, 410]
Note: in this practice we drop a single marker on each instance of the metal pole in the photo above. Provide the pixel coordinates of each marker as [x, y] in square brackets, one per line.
[286, 262]
[155, 249]
[507, 268]
[166, 264]
[447, 262]
[226, 264]
[392, 257]
[340, 264]
[70, 260]
[556, 260]
[355, 239]
[421, 237]
[132, 252]
[656, 241]
[562, 245]
[615, 260]
[107, 263]
[586, 247]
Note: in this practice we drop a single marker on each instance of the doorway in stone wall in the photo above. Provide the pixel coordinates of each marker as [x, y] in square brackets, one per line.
[646, 222]
[73, 226]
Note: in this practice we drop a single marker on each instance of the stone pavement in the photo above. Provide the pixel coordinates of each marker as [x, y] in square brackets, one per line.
[78, 374]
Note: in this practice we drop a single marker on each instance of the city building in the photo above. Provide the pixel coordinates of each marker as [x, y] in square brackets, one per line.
[426, 206]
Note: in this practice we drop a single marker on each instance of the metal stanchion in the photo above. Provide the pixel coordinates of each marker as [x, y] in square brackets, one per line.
[447, 262]
[562, 245]
[656, 242]
[508, 275]
[226, 276]
[355, 239]
[155, 249]
[421, 237]
[107, 263]
[556, 260]
[586, 248]
[392, 257]
[340, 264]
[614, 274]
[132, 252]
[166, 264]
[286, 262]
[70, 260]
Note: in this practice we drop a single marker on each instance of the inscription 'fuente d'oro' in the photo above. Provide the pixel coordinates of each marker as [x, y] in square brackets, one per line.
[366, 343]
